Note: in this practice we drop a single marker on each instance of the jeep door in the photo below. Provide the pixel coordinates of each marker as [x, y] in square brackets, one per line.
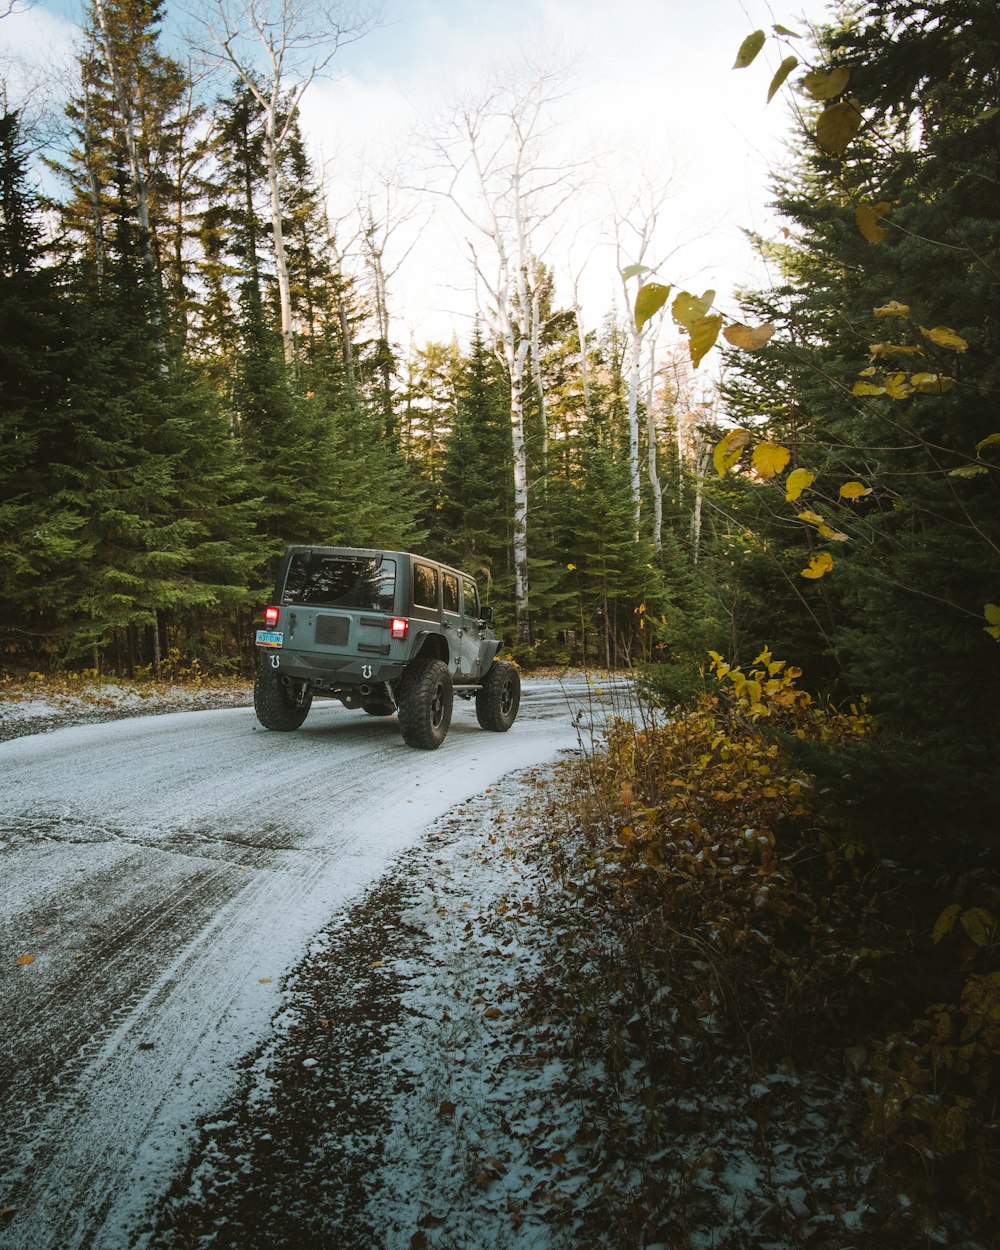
[451, 620]
[470, 631]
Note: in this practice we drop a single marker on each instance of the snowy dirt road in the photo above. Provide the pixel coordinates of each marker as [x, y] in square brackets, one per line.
[160, 875]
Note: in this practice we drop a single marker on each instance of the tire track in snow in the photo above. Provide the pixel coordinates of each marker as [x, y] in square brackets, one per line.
[227, 848]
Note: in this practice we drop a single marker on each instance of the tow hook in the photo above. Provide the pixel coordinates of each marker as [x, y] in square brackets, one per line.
[275, 660]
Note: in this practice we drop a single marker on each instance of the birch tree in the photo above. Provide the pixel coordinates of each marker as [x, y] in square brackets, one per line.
[635, 231]
[277, 49]
[492, 154]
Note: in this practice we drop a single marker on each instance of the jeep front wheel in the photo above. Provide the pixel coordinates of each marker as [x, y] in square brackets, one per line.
[277, 706]
[499, 697]
[425, 704]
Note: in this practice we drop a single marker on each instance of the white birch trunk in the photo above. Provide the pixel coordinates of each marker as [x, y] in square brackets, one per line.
[635, 353]
[271, 157]
[651, 446]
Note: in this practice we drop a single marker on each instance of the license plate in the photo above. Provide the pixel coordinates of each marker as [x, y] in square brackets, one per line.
[269, 638]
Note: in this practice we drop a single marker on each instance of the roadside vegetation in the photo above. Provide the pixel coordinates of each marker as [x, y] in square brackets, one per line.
[794, 859]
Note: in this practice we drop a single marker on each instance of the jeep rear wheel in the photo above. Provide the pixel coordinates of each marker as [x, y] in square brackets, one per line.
[277, 706]
[499, 697]
[425, 704]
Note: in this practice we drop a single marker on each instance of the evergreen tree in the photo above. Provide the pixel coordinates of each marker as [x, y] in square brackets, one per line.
[866, 306]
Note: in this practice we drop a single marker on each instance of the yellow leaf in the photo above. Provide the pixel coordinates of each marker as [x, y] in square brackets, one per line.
[799, 480]
[649, 301]
[818, 566]
[931, 383]
[729, 449]
[868, 216]
[945, 337]
[867, 388]
[784, 69]
[811, 518]
[990, 441]
[770, 459]
[783, 30]
[854, 490]
[837, 126]
[24, 960]
[894, 349]
[946, 921]
[826, 86]
[992, 613]
[750, 338]
[977, 923]
[897, 386]
[687, 308]
[749, 49]
[834, 535]
[893, 309]
[703, 334]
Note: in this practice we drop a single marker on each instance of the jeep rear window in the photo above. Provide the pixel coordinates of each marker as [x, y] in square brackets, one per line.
[341, 581]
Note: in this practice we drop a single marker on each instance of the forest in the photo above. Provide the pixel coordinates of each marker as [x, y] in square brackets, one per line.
[192, 377]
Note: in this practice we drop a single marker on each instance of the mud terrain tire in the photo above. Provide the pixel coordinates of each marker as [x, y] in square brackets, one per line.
[425, 704]
[499, 697]
[275, 706]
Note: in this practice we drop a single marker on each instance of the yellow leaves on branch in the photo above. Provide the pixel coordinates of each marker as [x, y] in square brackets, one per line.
[749, 49]
[799, 480]
[784, 69]
[750, 338]
[729, 449]
[992, 613]
[854, 490]
[818, 566]
[868, 217]
[893, 309]
[651, 298]
[943, 336]
[823, 86]
[837, 126]
[692, 313]
[770, 459]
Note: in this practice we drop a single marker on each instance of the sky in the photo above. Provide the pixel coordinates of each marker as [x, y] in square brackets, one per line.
[651, 101]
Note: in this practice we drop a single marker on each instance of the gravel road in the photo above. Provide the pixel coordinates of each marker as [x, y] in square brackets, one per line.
[160, 876]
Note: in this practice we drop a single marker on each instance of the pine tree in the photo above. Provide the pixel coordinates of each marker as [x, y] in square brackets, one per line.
[855, 396]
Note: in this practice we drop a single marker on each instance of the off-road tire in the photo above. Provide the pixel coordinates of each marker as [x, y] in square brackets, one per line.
[275, 706]
[425, 704]
[379, 707]
[499, 697]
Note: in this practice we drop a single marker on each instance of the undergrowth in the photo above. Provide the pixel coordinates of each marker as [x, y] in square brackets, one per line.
[720, 920]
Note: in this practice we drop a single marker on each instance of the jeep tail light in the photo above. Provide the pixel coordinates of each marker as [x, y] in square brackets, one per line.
[399, 627]
[270, 617]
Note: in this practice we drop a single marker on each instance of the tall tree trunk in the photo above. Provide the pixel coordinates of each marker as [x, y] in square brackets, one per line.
[651, 446]
[271, 157]
[139, 190]
[100, 260]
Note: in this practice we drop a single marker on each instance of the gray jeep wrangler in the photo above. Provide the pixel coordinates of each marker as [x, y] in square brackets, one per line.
[384, 631]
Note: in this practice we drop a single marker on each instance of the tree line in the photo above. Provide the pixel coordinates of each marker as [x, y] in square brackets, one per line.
[192, 376]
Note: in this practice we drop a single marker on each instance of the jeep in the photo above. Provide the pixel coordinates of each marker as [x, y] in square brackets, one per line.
[383, 631]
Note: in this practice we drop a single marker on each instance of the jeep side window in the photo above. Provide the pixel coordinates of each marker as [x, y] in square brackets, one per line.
[471, 597]
[425, 587]
[449, 592]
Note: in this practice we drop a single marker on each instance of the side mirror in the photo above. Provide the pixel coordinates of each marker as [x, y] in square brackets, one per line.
[486, 615]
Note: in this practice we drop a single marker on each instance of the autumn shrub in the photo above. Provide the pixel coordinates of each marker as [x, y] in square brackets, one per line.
[734, 913]
[705, 836]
